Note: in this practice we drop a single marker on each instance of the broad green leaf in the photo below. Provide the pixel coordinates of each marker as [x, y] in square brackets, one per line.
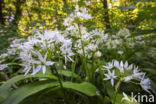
[153, 71]
[153, 87]
[67, 73]
[4, 92]
[85, 87]
[21, 77]
[29, 89]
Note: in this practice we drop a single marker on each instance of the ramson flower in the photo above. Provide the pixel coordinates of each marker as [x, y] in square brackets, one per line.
[127, 73]
[98, 54]
[110, 76]
[109, 66]
[27, 68]
[3, 66]
[66, 50]
[145, 84]
[42, 63]
[137, 73]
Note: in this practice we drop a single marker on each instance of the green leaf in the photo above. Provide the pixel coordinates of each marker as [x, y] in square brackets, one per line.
[21, 77]
[4, 89]
[85, 87]
[68, 73]
[29, 89]
[152, 71]
[142, 32]
[153, 87]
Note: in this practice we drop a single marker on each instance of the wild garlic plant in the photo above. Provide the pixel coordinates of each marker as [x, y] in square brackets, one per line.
[79, 51]
[123, 72]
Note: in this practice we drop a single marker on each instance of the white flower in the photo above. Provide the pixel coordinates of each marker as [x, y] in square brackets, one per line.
[109, 66]
[116, 63]
[98, 54]
[92, 47]
[121, 66]
[145, 84]
[120, 52]
[27, 67]
[126, 65]
[97, 70]
[128, 78]
[66, 50]
[41, 64]
[80, 51]
[3, 66]
[130, 67]
[110, 76]
[3, 55]
[81, 13]
[137, 74]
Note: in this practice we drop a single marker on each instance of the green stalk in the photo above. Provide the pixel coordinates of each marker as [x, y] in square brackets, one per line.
[73, 68]
[61, 86]
[117, 87]
[84, 60]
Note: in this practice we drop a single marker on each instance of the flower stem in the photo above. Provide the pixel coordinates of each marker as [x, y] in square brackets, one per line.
[84, 60]
[117, 87]
[61, 86]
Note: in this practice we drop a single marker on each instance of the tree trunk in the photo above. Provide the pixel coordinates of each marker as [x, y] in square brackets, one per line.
[106, 17]
[18, 12]
[1, 13]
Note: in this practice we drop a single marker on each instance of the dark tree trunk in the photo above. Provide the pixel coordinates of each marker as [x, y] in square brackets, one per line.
[1, 13]
[106, 17]
[18, 12]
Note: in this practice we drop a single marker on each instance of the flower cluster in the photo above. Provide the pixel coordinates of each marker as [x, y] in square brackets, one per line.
[79, 13]
[126, 73]
[41, 51]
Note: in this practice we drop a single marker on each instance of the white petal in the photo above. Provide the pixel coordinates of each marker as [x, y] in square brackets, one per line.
[112, 82]
[48, 63]
[121, 64]
[107, 75]
[45, 57]
[126, 65]
[27, 70]
[130, 67]
[113, 73]
[116, 63]
[36, 70]
[35, 62]
[70, 59]
[40, 56]
[121, 70]
[106, 78]
[44, 69]
[128, 78]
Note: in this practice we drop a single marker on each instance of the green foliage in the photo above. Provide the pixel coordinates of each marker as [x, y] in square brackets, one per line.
[24, 91]
[85, 87]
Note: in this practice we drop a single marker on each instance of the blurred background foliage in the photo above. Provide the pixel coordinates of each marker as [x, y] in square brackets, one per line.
[21, 17]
